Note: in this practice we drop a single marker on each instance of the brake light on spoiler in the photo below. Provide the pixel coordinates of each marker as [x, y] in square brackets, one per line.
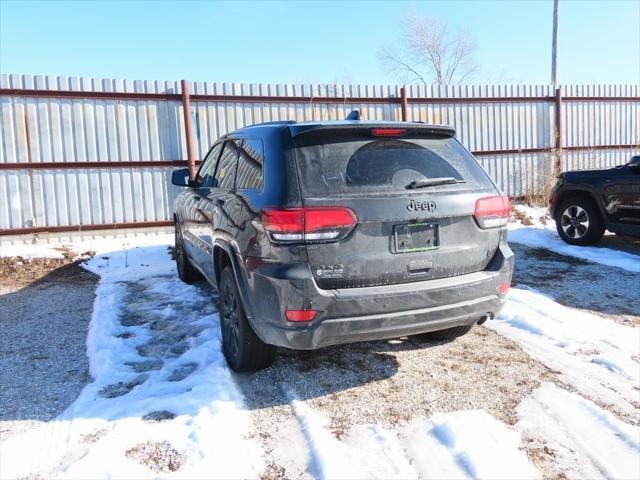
[310, 224]
[388, 132]
[492, 212]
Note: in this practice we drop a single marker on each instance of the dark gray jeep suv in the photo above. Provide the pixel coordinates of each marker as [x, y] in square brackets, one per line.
[322, 233]
[585, 203]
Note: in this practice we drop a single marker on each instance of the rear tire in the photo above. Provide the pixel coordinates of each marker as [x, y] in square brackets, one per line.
[448, 334]
[186, 271]
[578, 221]
[242, 348]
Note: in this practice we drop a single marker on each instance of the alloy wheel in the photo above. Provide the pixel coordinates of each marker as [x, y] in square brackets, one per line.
[179, 251]
[574, 222]
[231, 334]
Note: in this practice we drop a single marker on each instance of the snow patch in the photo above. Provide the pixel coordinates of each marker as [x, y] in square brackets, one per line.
[329, 459]
[549, 240]
[466, 444]
[536, 216]
[99, 245]
[577, 429]
[463, 444]
[32, 251]
[598, 357]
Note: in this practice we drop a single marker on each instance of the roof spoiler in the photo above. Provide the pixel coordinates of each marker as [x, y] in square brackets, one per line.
[440, 131]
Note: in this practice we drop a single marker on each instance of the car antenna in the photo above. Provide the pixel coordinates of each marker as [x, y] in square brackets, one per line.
[354, 115]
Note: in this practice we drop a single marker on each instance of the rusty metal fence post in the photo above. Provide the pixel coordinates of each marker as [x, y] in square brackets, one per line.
[188, 129]
[558, 118]
[403, 103]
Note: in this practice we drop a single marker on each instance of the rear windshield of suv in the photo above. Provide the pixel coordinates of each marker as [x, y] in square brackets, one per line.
[352, 164]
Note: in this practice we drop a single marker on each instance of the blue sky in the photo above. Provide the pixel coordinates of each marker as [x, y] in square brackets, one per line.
[310, 42]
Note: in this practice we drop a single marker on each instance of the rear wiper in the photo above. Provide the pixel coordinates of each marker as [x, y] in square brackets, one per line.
[432, 182]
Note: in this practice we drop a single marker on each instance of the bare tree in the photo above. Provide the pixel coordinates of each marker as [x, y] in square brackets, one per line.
[430, 53]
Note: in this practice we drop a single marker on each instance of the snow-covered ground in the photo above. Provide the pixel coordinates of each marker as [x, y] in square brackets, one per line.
[164, 404]
[159, 377]
[28, 251]
[597, 357]
[586, 440]
[81, 249]
[549, 240]
[544, 235]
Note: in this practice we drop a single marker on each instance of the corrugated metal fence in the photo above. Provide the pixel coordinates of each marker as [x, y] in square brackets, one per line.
[85, 153]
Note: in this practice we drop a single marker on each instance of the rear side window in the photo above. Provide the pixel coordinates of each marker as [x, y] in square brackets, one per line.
[249, 174]
[226, 169]
[205, 174]
[353, 164]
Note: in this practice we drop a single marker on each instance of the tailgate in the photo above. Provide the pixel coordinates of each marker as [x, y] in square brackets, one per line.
[403, 234]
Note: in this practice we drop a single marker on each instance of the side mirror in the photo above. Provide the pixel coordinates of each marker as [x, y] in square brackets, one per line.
[635, 162]
[180, 177]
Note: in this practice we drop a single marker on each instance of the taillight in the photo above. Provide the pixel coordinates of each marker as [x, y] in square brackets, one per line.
[314, 224]
[491, 212]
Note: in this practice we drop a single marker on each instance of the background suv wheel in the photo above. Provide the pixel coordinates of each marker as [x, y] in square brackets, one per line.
[244, 351]
[578, 221]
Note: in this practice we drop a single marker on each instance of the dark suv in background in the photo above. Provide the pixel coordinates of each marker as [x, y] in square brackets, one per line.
[586, 203]
[322, 233]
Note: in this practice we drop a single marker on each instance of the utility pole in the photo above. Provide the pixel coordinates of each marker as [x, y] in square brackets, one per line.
[554, 45]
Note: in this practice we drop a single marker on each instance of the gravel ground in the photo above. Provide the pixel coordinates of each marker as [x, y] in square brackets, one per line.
[45, 308]
[387, 382]
[413, 377]
[160, 457]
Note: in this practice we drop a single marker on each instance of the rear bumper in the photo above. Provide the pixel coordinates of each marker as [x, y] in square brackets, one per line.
[369, 313]
[361, 328]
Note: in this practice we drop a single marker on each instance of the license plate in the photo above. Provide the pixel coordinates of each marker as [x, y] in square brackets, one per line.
[415, 237]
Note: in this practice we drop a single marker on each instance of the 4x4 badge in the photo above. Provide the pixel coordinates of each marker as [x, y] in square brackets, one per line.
[426, 206]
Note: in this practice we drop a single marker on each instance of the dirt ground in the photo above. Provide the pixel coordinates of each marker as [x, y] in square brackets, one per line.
[45, 308]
